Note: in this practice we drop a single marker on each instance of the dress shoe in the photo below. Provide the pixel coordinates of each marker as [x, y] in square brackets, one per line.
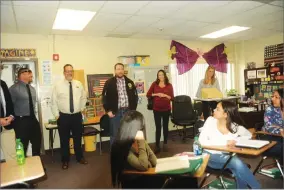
[65, 165]
[83, 161]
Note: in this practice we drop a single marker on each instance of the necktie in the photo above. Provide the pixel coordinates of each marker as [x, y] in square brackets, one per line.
[71, 98]
[30, 101]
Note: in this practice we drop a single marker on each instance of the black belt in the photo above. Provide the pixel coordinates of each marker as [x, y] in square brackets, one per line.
[68, 114]
[25, 116]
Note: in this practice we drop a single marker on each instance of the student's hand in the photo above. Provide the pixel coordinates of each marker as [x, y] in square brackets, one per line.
[10, 119]
[4, 122]
[139, 135]
[110, 114]
[231, 143]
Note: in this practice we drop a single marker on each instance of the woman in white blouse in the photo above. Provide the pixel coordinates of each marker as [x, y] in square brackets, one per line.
[223, 129]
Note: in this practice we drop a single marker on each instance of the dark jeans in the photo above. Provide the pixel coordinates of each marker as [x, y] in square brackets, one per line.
[115, 122]
[207, 108]
[70, 123]
[159, 116]
[27, 129]
[277, 150]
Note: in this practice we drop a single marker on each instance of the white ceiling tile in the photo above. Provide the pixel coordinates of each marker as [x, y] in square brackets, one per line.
[267, 19]
[107, 22]
[167, 23]
[136, 23]
[6, 2]
[161, 8]
[193, 8]
[43, 14]
[37, 3]
[123, 7]
[277, 3]
[7, 18]
[275, 26]
[82, 5]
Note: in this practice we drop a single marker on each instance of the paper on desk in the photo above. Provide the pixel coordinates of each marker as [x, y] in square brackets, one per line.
[172, 163]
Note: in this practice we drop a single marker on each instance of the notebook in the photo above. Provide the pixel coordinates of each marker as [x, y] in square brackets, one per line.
[251, 143]
[172, 163]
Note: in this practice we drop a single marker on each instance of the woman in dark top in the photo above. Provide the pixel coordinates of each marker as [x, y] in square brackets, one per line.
[162, 92]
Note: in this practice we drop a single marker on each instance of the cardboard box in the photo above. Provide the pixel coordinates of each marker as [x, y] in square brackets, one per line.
[209, 93]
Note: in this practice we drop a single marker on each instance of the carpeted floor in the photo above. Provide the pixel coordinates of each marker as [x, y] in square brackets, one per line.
[97, 173]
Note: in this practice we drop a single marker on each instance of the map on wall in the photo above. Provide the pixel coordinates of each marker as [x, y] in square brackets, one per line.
[96, 84]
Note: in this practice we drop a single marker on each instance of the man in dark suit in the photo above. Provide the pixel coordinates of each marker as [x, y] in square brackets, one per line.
[6, 118]
[119, 96]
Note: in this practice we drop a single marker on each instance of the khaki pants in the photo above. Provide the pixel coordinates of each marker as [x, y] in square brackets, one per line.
[8, 144]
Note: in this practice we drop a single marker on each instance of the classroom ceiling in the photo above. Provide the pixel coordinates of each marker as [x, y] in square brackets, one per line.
[178, 20]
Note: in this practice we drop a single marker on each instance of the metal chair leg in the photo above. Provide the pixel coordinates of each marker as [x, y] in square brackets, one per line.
[204, 179]
[100, 144]
[279, 167]
[168, 180]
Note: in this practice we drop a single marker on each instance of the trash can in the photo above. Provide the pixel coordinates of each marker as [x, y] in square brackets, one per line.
[90, 138]
[90, 143]
[71, 146]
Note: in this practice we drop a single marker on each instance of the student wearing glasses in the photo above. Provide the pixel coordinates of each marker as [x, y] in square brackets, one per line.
[223, 129]
[273, 123]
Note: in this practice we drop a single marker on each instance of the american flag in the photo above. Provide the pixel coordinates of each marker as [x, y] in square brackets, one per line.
[99, 85]
[273, 55]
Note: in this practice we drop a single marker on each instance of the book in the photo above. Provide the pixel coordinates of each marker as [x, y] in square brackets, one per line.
[275, 176]
[251, 143]
[216, 184]
[273, 170]
[171, 163]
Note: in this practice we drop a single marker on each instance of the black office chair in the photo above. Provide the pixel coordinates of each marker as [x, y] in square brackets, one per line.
[183, 115]
[104, 129]
[263, 136]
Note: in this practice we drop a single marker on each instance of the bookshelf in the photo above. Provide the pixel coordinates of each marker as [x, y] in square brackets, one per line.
[94, 107]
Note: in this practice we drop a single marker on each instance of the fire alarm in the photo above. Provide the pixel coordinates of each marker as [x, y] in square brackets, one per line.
[55, 57]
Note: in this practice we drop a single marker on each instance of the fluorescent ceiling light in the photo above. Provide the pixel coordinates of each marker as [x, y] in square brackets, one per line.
[67, 19]
[225, 32]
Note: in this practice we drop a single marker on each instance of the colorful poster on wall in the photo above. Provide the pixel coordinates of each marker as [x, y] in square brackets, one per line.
[135, 60]
[96, 84]
[18, 52]
[46, 67]
[140, 87]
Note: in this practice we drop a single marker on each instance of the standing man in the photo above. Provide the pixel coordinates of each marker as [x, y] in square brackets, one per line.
[68, 100]
[6, 117]
[26, 125]
[119, 96]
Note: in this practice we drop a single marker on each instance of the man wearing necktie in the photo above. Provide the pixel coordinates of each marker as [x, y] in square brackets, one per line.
[6, 118]
[26, 125]
[68, 100]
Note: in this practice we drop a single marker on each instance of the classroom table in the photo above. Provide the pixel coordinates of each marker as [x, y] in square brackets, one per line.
[151, 171]
[236, 150]
[12, 173]
[217, 99]
[52, 127]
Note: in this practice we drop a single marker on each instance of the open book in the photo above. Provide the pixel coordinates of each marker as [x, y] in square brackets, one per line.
[251, 143]
[172, 163]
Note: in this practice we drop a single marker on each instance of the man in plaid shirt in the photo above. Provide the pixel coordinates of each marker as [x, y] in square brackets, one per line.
[119, 96]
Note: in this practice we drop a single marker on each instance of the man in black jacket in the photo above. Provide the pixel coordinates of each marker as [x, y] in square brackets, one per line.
[119, 96]
[6, 118]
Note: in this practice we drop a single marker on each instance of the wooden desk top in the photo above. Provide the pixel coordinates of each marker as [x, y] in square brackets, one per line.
[217, 99]
[249, 151]
[90, 121]
[151, 171]
[12, 173]
[266, 133]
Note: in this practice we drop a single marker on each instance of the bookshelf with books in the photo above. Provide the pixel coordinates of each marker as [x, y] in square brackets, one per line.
[94, 107]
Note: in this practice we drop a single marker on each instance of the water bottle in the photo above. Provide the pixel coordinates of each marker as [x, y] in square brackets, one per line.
[197, 149]
[20, 152]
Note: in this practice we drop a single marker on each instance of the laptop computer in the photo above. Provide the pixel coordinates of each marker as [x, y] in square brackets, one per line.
[251, 143]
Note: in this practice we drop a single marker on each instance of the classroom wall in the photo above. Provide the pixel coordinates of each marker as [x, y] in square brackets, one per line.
[251, 51]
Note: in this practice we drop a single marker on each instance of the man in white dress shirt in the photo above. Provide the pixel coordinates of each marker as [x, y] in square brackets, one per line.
[68, 100]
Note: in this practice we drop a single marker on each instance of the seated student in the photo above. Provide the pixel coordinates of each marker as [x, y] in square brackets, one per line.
[131, 151]
[222, 129]
[273, 123]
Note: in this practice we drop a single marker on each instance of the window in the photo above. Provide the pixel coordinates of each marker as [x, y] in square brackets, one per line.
[187, 83]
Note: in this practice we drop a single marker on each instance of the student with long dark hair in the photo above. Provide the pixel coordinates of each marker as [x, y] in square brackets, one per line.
[162, 93]
[273, 123]
[223, 129]
[131, 151]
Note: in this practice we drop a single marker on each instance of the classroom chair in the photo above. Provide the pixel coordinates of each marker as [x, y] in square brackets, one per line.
[104, 129]
[183, 115]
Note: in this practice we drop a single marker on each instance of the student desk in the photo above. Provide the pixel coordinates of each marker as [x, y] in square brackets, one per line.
[218, 99]
[51, 128]
[151, 171]
[12, 173]
[235, 150]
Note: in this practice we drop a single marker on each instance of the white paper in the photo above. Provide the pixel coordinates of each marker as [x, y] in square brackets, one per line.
[251, 74]
[139, 75]
[46, 72]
